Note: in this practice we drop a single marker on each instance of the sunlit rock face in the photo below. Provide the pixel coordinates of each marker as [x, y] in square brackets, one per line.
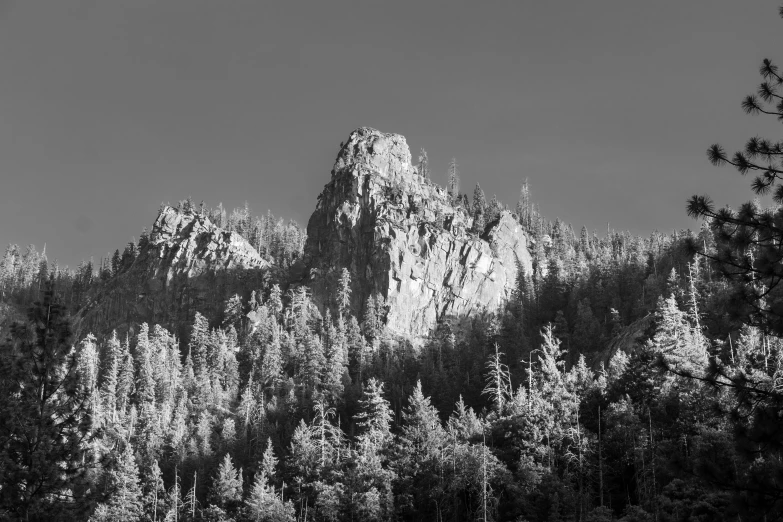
[186, 264]
[188, 244]
[401, 238]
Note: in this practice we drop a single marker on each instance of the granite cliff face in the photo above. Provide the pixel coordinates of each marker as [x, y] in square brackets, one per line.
[401, 238]
[187, 244]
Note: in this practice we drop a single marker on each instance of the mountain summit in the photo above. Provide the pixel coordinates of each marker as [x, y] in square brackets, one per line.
[189, 244]
[404, 243]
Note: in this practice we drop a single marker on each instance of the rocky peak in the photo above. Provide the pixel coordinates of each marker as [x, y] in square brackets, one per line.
[374, 151]
[186, 264]
[402, 239]
[185, 243]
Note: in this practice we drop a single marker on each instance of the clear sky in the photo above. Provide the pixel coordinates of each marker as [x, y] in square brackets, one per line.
[109, 107]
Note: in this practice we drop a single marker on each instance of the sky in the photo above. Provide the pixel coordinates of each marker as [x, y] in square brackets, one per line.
[109, 108]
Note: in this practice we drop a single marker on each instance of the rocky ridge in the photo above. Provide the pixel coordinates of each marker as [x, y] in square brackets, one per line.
[401, 238]
[186, 264]
[188, 244]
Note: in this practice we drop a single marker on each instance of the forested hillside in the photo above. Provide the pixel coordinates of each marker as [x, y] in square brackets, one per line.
[212, 370]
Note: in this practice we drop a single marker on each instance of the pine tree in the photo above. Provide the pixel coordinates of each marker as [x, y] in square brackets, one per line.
[125, 378]
[87, 363]
[145, 382]
[232, 315]
[498, 379]
[523, 206]
[124, 502]
[116, 263]
[155, 501]
[747, 251]
[44, 420]
[422, 432]
[304, 459]
[272, 363]
[313, 362]
[374, 418]
[265, 505]
[493, 209]
[111, 371]
[199, 342]
[227, 487]
[420, 458]
[464, 424]
[247, 405]
[326, 435]
[424, 167]
[335, 368]
[371, 481]
[269, 461]
[344, 292]
[453, 185]
[228, 432]
[276, 301]
[479, 201]
[370, 326]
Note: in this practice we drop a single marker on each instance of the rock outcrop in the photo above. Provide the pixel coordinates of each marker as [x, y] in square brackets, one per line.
[628, 340]
[401, 238]
[190, 245]
[186, 264]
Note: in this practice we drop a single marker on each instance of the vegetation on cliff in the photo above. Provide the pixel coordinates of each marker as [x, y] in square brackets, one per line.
[418, 354]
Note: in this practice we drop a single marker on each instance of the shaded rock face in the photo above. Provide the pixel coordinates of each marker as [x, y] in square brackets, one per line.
[400, 237]
[628, 340]
[187, 244]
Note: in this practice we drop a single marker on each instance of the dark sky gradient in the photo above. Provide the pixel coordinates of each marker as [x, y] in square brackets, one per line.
[108, 107]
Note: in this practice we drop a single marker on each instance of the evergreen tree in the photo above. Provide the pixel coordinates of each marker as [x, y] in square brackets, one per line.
[272, 364]
[479, 201]
[227, 487]
[232, 315]
[269, 461]
[265, 505]
[498, 379]
[145, 381]
[420, 462]
[155, 501]
[124, 497]
[313, 362]
[125, 378]
[747, 253]
[374, 418]
[87, 364]
[371, 481]
[276, 301]
[422, 433]
[44, 420]
[111, 369]
[424, 167]
[453, 184]
[344, 292]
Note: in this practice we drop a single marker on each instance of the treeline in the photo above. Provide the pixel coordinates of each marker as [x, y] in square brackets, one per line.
[282, 413]
[278, 241]
[267, 408]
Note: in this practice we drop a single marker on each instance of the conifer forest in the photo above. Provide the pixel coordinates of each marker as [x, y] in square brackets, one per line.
[417, 352]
